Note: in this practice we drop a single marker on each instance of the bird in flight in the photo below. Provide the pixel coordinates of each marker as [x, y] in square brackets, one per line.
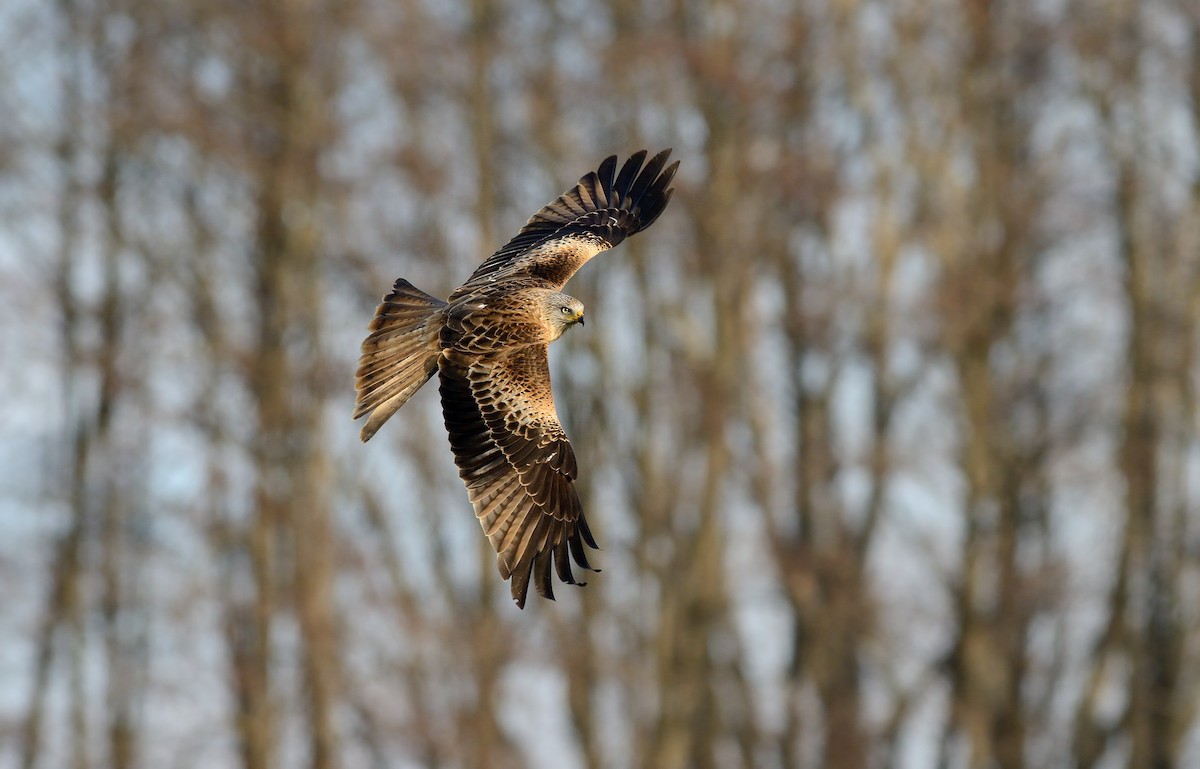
[488, 346]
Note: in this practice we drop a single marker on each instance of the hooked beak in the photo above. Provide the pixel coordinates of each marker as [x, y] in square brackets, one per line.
[580, 321]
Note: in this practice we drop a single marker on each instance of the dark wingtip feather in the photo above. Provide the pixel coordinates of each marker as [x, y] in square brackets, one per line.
[605, 174]
[541, 574]
[586, 533]
[628, 173]
[646, 178]
[643, 191]
[648, 219]
[520, 590]
[562, 564]
[576, 544]
[666, 177]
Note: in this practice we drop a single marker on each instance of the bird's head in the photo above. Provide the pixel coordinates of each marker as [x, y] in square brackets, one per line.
[562, 312]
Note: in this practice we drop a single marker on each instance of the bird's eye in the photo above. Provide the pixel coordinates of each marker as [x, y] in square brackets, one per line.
[566, 310]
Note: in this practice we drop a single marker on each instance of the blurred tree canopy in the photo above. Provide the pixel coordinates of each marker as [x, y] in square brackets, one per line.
[889, 427]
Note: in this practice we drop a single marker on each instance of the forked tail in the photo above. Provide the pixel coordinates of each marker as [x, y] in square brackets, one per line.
[399, 355]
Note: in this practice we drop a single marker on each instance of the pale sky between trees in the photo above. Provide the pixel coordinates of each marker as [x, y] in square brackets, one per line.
[889, 428]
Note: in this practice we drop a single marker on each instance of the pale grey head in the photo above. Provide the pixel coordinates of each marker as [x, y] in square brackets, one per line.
[561, 312]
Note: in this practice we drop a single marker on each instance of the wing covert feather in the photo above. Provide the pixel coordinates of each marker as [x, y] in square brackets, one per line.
[517, 404]
[520, 480]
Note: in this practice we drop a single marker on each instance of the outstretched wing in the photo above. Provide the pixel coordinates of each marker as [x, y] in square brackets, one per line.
[597, 214]
[517, 464]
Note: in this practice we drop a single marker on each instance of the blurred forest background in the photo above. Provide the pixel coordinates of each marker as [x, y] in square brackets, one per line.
[889, 427]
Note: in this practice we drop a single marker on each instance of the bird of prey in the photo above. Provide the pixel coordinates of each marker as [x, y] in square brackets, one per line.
[488, 346]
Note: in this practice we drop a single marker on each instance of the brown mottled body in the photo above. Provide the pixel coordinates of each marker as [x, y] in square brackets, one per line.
[495, 318]
[488, 344]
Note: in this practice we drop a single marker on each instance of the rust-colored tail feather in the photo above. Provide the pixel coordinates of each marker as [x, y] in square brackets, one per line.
[399, 355]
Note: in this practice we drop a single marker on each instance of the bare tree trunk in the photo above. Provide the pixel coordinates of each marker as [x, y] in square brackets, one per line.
[695, 607]
[1146, 624]
[820, 545]
[115, 503]
[62, 612]
[1150, 558]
